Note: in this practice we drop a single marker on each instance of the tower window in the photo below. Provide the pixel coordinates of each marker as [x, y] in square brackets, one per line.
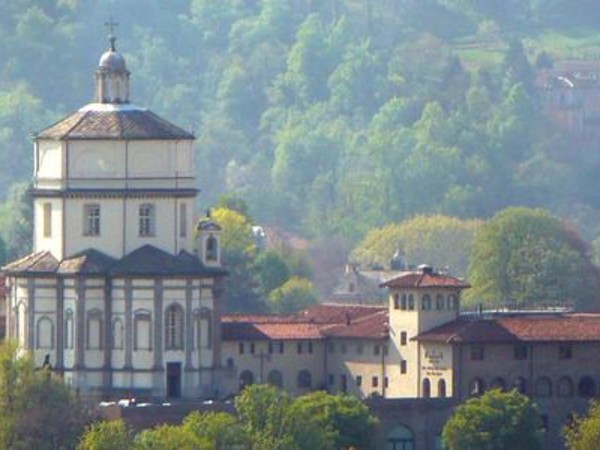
[182, 220]
[47, 220]
[147, 220]
[211, 248]
[91, 219]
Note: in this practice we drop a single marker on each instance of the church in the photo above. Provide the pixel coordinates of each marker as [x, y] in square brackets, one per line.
[121, 292]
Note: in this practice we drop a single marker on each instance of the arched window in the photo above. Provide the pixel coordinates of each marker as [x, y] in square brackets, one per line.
[401, 438]
[452, 303]
[477, 387]
[304, 379]
[246, 379]
[426, 388]
[94, 329]
[564, 387]
[411, 302]
[117, 334]
[520, 384]
[439, 302]
[586, 387]
[68, 331]
[442, 388]
[275, 378]
[230, 363]
[142, 330]
[498, 383]
[396, 301]
[212, 248]
[174, 327]
[45, 333]
[543, 387]
[426, 302]
[404, 303]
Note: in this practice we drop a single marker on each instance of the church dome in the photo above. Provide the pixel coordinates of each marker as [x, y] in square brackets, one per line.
[113, 61]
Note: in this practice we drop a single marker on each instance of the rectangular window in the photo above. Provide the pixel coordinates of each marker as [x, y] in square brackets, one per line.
[241, 348]
[147, 220]
[477, 353]
[359, 349]
[331, 347]
[182, 220]
[403, 338]
[299, 347]
[91, 219]
[386, 382]
[330, 379]
[47, 220]
[310, 347]
[403, 366]
[565, 352]
[343, 347]
[358, 380]
[376, 350]
[270, 348]
[520, 352]
[281, 347]
[252, 348]
[374, 382]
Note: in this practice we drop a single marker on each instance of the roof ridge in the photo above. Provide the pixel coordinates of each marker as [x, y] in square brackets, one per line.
[77, 122]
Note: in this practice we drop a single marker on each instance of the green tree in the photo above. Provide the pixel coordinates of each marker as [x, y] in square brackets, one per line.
[264, 411]
[221, 430]
[345, 420]
[583, 432]
[106, 435]
[528, 257]
[495, 421]
[271, 272]
[238, 251]
[170, 437]
[37, 410]
[441, 241]
[294, 295]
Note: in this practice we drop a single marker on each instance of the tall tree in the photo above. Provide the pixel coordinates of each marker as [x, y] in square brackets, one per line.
[496, 420]
[527, 257]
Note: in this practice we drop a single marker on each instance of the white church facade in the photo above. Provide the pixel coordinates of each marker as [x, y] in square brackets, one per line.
[120, 294]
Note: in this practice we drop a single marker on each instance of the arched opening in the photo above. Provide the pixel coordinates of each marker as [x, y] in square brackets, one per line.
[564, 387]
[426, 388]
[275, 378]
[246, 379]
[543, 387]
[45, 333]
[439, 302]
[442, 388]
[426, 302]
[586, 387]
[400, 438]
[477, 387]
[304, 379]
[212, 248]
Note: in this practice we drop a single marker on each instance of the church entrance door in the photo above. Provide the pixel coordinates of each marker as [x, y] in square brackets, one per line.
[174, 380]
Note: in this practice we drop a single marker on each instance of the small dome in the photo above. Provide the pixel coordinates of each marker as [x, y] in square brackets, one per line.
[113, 61]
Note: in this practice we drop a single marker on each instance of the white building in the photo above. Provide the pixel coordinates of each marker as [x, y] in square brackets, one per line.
[121, 290]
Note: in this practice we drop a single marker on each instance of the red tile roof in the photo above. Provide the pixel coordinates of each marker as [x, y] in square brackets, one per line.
[317, 322]
[521, 328]
[423, 280]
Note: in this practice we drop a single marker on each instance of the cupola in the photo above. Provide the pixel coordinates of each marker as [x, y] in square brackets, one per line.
[112, 76]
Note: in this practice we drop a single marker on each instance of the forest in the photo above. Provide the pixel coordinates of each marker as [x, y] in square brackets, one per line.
[327, 118]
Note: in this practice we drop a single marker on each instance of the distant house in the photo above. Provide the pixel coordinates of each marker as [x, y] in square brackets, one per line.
[570, 93]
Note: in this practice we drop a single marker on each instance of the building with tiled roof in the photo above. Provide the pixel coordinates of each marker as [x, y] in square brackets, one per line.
[420, 347]
[120, 292]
